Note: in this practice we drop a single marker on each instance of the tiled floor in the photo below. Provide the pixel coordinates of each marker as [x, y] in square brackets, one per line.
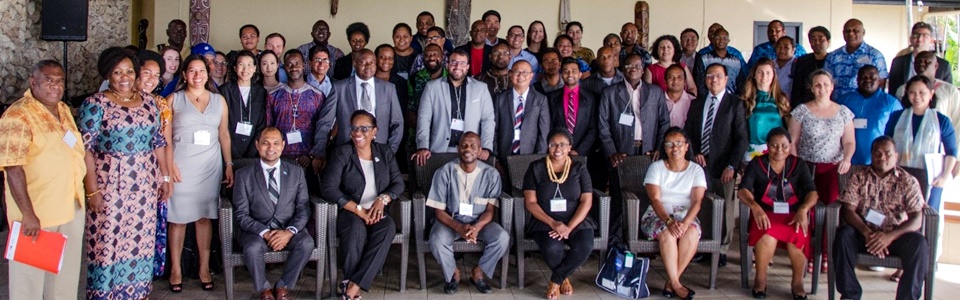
[697, 277]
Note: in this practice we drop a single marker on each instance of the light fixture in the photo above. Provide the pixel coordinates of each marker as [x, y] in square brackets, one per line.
[919, 5]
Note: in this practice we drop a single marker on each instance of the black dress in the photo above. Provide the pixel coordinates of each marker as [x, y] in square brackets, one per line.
[577, 182]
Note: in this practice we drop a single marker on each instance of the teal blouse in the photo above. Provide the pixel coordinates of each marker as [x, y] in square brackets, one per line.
[765, 117]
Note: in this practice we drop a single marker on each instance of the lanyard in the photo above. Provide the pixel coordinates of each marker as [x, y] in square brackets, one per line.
[457, 100]
[296, 108]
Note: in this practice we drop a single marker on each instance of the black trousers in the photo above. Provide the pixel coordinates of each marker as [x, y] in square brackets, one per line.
[363, 249]
[910, 247]
[564, 262]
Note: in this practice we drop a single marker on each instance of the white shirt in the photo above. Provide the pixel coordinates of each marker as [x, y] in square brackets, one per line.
[245, 94]
[675, 187]
[635, 105]
[370, 92]
[516, 104]
[370, 189]
[706, 106]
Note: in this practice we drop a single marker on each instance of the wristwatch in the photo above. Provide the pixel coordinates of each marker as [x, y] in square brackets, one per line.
[384, 199]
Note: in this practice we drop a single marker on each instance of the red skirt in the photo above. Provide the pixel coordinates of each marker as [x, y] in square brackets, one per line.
[782, 232]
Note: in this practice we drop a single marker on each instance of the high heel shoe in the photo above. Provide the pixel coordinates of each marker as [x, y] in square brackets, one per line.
[759, 294]
[668, 293]
[690, 293]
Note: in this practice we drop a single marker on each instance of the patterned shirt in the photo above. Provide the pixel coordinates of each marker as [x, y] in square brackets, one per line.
[31, 137]
[820, 137]
[495, 83]
[644, 54]
[768, 50]
[733, 62]
[334, 52]
[895, 195]
[844, 66]
[295, 110]
[419, 64]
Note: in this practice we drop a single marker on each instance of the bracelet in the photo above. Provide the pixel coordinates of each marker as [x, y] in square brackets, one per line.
[670, 221]
[230, 163]
[94, 193]
[166, 178]
[385, 199]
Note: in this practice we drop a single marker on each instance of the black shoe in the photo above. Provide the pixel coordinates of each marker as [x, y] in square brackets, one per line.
[342, 287]
[690, 293]
[723, 260]
[799, 297]
[450, 287]
[698, 257]
[482, 286]
[669, 294]
[759, 294]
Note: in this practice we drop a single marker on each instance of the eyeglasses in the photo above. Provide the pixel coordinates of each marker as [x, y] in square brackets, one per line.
[321, 60]
[363, 129]
[220, 63]
[558, 145]
[522, 73]
[674, 144]
[434, 38]
[457, 63]
[633, 67]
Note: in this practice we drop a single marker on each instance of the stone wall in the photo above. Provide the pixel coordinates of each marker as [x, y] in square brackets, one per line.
[21, 46]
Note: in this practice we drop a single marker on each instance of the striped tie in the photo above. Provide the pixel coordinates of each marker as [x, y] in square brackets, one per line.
[273, 190]
[516, 126]
[571, 115]
[708, 127]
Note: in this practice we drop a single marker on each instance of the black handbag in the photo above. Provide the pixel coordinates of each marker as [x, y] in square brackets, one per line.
[624, 274]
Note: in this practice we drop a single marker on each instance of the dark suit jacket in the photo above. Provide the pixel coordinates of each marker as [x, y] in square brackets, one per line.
[729, 139]
[595, 84]
[585, 132]
[343, 67]
[901, 66]
[255, 112]
[343, 179]
[533, 130]
[654, 119]
[486, 55]
[252, 208]
[342, 102]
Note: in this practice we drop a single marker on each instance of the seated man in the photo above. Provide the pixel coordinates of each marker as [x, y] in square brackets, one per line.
[272, 214]
[464, 195]
[883, 209]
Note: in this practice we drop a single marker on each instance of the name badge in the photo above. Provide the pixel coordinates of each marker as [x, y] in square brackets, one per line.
[70, 139]
[466, 209]
[456, 124]
[558, 205]
[244, 128]
[201, 137]
[294, 137]
[859, 123]
[781, 208]
[626, 119]
[875, 217]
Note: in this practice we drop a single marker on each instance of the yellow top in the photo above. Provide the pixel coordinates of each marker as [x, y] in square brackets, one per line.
[33, 138]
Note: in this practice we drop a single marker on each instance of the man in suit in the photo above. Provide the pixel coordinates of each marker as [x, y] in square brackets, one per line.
[573, 109]
[607, 75]
[633, 119]
[717, 129]
[901, 69]
[362, 91]
[523, 120]
[478, 48]
[452, 106]
[270, 208]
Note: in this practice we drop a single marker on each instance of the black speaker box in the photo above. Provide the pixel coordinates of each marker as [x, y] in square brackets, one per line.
[63, 20]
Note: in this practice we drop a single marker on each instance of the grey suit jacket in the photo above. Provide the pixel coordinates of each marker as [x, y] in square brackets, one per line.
[654, 119]
[533, 130]
[252, 208]
[433, 123]
[342, 102]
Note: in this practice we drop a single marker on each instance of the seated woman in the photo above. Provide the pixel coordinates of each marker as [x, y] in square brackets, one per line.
[676, 187]
[779, 189]
[558, 193]
[362, 178]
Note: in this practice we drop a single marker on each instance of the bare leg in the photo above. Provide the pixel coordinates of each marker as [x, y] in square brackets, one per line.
[797, 259]
[669, 252]
[763, 250]
[687, 248]
[175, 233]
[204, 235]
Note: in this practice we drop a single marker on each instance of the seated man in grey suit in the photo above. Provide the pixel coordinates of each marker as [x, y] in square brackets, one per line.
[270, 207]
[464, 196]
[362, 91]
[451, 106]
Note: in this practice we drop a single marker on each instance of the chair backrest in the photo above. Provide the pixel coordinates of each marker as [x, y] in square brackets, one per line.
[632, 171]
[517, 166]
[424, 174]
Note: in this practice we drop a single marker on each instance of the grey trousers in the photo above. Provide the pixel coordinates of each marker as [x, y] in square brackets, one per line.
[730, 210]
[300, 246]
[496, 243]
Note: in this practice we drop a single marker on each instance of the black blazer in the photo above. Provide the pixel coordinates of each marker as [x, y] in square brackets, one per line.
[343, 67]
[253, 209]
[901, 66]
[654, 119]
[595, 84]
[343, 179]
[533, 131]
[487, 49]
[585, 132]
[243, 146]
[729, 140]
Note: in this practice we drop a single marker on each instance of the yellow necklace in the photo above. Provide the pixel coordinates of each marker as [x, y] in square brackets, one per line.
[553, 175]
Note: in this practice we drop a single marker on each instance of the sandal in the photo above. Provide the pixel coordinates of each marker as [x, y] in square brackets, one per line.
[206, 286]
[566, 288]
[176, 288]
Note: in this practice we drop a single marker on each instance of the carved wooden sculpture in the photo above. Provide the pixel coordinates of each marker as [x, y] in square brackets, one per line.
[142, 33]
[641, 15]
[458, 21]
[199, 21]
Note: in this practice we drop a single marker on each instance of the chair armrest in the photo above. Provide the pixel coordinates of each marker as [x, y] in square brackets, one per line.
[226, 225]
[319, 215]
[405, 215]
[604, 214]
[819, 220]
[520, 218]
[633, 217]
[832, 222]
[744, 219]
[716, 221]
[506, 212]
[931, 228]
[419, 215]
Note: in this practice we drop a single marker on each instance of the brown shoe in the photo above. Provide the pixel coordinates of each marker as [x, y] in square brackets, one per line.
[267, 294]
[566, 288]
[283, 294]
[553, 290]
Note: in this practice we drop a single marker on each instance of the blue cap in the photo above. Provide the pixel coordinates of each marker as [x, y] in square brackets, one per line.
[202, 49]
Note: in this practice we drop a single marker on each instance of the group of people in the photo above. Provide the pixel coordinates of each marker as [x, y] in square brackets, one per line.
[149, 153]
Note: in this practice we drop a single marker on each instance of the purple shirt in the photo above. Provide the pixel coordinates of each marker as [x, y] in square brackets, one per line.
[295, 110]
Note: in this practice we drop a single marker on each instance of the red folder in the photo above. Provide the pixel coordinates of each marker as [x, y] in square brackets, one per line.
[45, 253]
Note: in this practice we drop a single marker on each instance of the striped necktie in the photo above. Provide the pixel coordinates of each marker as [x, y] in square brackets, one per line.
[708, 127]
[517, 121]
[571, 114]
[273, 189]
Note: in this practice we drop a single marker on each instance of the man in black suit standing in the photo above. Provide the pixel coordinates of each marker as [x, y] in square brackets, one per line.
[523, 119]
[717, 128]
[270, 208]
[573, 109]
[901, 68]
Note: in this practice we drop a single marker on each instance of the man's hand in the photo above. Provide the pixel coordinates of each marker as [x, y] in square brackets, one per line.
[304, 161]
[318, 164]
[30, 226]
[617, 158]
[484, 154]
[727, 175]
[700, 160]
[267, 235]
[280, 238]
[878, 242]
[471, 234]
[420, 157]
